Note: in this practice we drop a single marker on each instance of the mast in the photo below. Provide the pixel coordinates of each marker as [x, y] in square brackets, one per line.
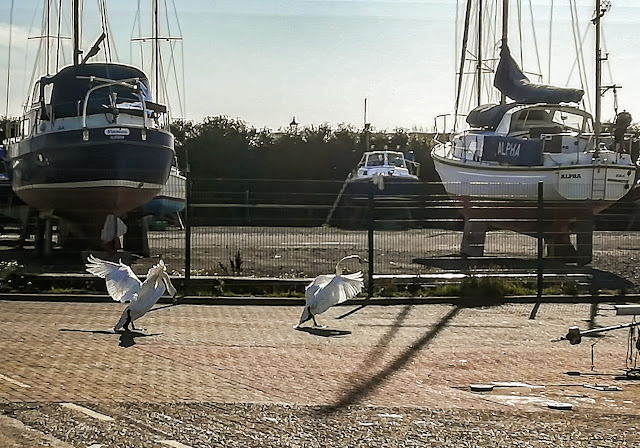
[76, 32]
[463, 52]
[479, 58]
[596, 21]
[505, 35]
[156, 51]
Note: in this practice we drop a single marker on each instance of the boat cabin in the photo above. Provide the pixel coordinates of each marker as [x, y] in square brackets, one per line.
[532, 121]
[388, 163]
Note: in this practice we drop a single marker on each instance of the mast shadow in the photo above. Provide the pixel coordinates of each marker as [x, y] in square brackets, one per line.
[368, 385]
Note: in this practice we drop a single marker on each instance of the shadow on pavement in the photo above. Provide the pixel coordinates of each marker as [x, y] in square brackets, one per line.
[324, 332]
[368, 385]
[127, 338]
[599, 279]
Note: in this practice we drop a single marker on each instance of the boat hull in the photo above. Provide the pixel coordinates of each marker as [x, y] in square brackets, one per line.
[387, 188]
[171, 198]
[508, 197]
[80, 177]
[597, 182]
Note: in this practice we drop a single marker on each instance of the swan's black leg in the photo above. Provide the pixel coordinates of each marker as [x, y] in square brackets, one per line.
[128, 321]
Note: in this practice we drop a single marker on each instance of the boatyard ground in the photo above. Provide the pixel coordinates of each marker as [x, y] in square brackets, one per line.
[394, 375]
[201, 376]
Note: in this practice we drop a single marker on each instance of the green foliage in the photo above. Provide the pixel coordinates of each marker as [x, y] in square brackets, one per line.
[235, 265]
[222, 147]
[10, 270]
[483, 287]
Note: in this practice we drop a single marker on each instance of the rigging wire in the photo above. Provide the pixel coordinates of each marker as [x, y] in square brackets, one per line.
[550, 41]
[535, 41]
[133, 38]
[105, 29]
[182, 100]
[579, 53]
[520, 33]
[6, 109]
[59, 36]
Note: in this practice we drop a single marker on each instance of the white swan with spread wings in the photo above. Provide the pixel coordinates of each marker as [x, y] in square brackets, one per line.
[124, 286]
[328, 290]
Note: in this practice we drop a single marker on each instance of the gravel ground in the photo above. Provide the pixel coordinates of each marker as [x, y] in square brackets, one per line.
[255, 425]
[306, 252]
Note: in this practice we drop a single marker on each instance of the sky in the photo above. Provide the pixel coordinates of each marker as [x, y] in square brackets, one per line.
[266, 61]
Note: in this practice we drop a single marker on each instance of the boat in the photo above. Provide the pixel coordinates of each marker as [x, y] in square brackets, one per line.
[172, 198]
[539, 145]
[393, 176]
[385, 181]
[91, 142]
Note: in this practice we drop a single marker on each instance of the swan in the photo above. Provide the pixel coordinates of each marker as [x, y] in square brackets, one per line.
[124, 286]
[328, 290]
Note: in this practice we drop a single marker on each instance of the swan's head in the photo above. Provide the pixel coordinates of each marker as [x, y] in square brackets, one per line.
[339, 269]
[159, 271]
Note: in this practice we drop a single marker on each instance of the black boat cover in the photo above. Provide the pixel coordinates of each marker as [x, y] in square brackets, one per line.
[70, 87]
[511, 81]
[488, 116]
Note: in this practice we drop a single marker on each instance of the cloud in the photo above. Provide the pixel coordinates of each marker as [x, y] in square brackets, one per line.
[19, 36]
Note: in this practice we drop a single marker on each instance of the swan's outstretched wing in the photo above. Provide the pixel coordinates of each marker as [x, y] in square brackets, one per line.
[319, 282]
[339, 289]
[122, 284]
[353, 285]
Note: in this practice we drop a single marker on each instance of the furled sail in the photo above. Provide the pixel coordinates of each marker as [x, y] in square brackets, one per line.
[511, 81]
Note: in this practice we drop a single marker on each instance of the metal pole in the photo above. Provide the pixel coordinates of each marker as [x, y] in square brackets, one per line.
[540, 265]
[371, 223]
[187, 230]
[76, 34]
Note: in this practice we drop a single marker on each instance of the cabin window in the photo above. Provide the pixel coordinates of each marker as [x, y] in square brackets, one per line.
[47, 93]
[26, 125]
[397, 160]
[35, 95]
[571, 121]
[376, 160]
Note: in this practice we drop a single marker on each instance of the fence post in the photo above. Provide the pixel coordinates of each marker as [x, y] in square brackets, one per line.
[370, 225]
[187, 230]
[540, 264]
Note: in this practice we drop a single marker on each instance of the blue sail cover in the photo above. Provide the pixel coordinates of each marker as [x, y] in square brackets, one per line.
[511, 81]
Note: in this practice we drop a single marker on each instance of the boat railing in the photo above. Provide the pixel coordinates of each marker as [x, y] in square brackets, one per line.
[413, 167]
[145, 108]
[443, 131]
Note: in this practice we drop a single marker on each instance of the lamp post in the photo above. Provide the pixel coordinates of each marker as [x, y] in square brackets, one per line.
[294, 124]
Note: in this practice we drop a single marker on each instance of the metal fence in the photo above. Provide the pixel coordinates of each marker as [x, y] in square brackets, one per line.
[299, 229]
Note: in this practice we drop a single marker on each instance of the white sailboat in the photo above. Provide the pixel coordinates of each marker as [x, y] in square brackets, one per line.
[541, 137]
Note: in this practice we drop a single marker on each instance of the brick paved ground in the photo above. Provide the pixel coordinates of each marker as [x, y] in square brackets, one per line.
[393, 355]
[409, 356]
